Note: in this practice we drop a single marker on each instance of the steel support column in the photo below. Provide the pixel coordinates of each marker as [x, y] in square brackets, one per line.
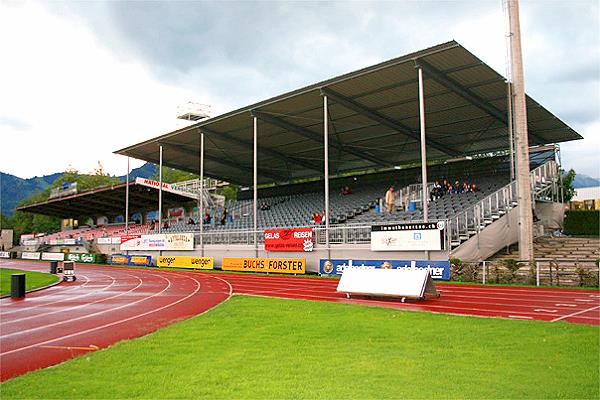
[160, 161]
[423, 146]
[201, 205]
[255, 180]
[127, 200]
[326, 167]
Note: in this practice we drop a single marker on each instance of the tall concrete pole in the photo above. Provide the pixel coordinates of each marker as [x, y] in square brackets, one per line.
[520, 132]
[423, 146]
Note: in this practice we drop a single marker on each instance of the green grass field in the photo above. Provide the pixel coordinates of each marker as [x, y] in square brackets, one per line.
[33, 280]
[252, 347]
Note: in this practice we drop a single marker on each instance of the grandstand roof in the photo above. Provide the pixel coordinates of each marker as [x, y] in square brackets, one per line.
[108, 200]
[374, 122]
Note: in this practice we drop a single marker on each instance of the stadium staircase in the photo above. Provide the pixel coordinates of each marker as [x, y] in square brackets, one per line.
[474, 220]
[562, 247]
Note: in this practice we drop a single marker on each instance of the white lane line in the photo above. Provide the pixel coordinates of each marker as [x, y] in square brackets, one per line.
[107, 325]
[86, 316]
[66, 289]
[544, 310]
[584, 300]
[519, 317]
[69, 309]
[574, 314]
[565, 305]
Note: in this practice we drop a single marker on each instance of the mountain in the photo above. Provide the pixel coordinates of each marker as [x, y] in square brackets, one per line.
[582, 181]
[14, 189]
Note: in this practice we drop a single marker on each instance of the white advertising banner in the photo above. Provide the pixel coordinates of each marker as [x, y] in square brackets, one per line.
[55, 242]
[165, 186]
[4, 254]
[408, 237]
[167, 241]
[115, 240]
[30, 256]
[105, 240]
[53, 256]
[30, 242]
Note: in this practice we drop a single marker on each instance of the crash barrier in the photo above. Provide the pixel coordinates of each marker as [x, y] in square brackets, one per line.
[275, 265]
[127, 259]
[401, 283]
[186, 262]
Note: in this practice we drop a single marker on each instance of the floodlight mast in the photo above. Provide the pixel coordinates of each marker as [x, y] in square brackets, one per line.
[525, 202]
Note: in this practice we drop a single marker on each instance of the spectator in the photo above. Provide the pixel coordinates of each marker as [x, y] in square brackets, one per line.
[207, 218]
[191, 221]
[390, 199]
[224, 217]
[166, 225]
[317, 218]
[346, 190]
[474, 188]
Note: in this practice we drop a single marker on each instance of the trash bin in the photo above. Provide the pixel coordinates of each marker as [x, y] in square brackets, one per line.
[412, 206]
[53, 267]
[17, 286]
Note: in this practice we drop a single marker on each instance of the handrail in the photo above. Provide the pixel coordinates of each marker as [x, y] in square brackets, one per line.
[474, 218]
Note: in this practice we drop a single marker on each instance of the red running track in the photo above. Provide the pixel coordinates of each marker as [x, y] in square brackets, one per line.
[109, 304]
[105, 305]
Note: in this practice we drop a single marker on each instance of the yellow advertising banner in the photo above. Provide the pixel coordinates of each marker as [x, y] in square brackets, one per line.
[276, 265]
[186, 262]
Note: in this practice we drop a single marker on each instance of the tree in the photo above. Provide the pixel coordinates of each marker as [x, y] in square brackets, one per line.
[567, 185]
[172, 175]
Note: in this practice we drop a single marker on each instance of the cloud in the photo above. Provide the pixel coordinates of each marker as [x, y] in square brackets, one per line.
[104, 75]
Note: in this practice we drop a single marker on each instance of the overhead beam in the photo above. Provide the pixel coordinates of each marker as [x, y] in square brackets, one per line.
[468, 95]
[183, 149]
[316, 137]
[267, 150]
[383, 120]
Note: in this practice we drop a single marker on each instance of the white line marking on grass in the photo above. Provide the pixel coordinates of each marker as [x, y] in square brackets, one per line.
[519, 317]
[574, 314]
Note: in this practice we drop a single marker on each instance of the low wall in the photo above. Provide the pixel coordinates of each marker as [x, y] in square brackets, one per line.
[358, 251]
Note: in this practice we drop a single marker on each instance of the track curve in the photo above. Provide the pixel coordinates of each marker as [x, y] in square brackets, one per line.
[106, 305]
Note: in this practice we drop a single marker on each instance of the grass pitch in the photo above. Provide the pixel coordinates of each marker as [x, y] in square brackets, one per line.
[252, 347]
[33, 280]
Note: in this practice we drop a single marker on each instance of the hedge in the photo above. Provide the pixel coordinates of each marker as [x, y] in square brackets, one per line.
[582, 222]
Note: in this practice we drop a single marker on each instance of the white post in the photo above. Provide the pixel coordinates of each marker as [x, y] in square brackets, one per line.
[423, 146]
[255, 189]
[537, 273]
[326, 162]
[484, 272]
[511, 139]
[127, 200]
[201, 208]
[160, 160]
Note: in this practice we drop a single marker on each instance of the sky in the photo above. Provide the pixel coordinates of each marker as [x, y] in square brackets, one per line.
[79, 80]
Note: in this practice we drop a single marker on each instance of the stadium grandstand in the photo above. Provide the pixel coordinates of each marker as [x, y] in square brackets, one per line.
[335, 148]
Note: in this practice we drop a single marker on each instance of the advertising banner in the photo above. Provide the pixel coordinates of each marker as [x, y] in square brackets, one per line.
[30, 242]
[276, 265]
[165, 187]
[440, 270]
[136, 260]
[58, 242]
[408, 237]
[53, 256]
[168, 241]
[81, 257]
[140, 260]
[105, 240]
[30, 256]
[4, 254]
[186, 262]
[294, 239]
